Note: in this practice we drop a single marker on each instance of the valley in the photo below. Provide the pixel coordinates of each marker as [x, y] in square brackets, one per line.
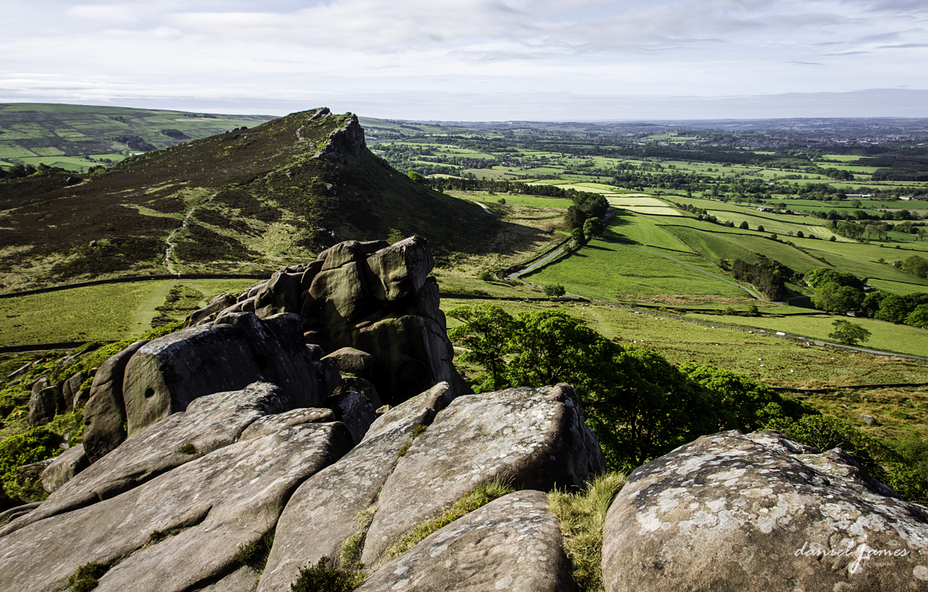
[689, 208]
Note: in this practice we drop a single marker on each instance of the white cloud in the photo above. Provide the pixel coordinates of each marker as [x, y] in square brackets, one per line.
[290, 48]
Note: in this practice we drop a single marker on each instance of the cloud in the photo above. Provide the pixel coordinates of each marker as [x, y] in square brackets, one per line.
[218, 50]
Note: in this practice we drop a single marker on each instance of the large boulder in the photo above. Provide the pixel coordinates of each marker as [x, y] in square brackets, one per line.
[326, 507]
[512, 543]
[530, 438]
[63, 468]
[760, 512]
[369, 296]
[211, 422]
[168, 373]
[180, 530]
[105, 412]
[46, 401]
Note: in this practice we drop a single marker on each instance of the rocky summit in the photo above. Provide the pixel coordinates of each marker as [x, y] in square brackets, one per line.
[316, 420]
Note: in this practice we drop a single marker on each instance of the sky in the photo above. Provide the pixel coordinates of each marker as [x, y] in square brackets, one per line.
[475, 60]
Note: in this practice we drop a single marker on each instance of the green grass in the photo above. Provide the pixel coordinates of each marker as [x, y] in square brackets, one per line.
[643, 231]
[472, 500]
[109, 312]
[582, 516]
[603, 271]
[885, 336]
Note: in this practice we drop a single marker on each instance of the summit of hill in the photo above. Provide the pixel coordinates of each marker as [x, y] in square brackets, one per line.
[244, 201]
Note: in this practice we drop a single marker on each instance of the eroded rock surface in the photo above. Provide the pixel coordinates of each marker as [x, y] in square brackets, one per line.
[512, 543]
[530, 438]
[326, 508]
[181, 528]
[370, 305]
[759, 512]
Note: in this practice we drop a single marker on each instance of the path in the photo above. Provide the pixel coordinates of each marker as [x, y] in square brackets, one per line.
[169, 250]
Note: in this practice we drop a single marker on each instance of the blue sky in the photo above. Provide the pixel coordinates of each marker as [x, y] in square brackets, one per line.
[475, 59]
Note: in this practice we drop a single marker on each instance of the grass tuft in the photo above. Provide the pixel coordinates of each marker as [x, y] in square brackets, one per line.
[86, 578]
[472, 500]
[582, 516]
[325, 577]
[255, 554]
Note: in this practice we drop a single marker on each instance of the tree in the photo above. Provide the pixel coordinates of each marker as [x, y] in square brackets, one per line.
[918, 317]
[760, 228]
[833, 297]
[592, 227]
[916, 265]
[743, 225]
[848, 333]
[554, 290]
[485, 333]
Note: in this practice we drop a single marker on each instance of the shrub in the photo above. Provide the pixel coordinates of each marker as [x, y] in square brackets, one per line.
[35, 445]
[554, 290]
[255, 553]
[325, 577]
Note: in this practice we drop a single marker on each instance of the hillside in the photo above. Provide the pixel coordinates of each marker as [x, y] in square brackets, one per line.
[244, 201]
[78, 137]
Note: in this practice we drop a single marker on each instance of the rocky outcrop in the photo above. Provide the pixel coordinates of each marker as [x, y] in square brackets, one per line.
[170, 508]
[105, 412]
[531, 438]
[373, 298]
[760, 512]
[45, 403]
[512, 543]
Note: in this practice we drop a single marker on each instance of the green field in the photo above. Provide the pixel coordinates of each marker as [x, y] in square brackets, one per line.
[603, 271]
[77, 137]
[108, 312]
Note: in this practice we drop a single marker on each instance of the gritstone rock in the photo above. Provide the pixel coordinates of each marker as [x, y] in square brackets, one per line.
[759, 512]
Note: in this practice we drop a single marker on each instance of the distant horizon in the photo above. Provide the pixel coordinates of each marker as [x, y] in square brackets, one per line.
[896, 104]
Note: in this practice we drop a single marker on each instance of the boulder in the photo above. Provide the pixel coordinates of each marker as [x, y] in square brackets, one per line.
[182, 529]
[326, 508]
[354, 410]
[354, 361]
[400, 270]
[105, 412]
[209, 312]
[530, 438]
[210, 423]
[412, 352]
[281, 294]
[167, 374]
[63, 468]
[373, 297]
[46, 402]
[71, 388]
[362, 386]
[512, 543]
[760, 512]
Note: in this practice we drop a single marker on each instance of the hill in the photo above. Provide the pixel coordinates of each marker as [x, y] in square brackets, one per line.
[78, 137]
[245, 201]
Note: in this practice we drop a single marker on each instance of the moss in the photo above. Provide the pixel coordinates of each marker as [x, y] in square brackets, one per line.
[415, 434]
[36, 445]
[351, 549]
[187, 448]
[86, 578]
[255, 554]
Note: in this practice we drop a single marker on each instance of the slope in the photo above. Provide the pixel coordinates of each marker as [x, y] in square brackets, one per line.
[245, 201]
